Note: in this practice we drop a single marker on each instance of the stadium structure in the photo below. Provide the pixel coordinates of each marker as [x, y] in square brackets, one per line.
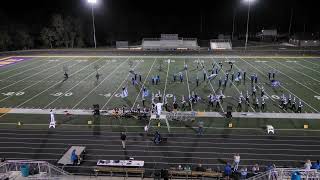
[169, 42]
[163, 109]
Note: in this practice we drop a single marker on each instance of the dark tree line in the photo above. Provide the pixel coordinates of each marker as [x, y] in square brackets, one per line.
[15, 39]
[63, 32]
[60, 32]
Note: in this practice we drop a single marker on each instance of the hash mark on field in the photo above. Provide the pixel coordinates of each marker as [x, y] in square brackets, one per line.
[294, 80]
[100, 83]
[297, 71]
[52, 86]
[68, 91]
[115, 92]
[307, 67]
[280, 85]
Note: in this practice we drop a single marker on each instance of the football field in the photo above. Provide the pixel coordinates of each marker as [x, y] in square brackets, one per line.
[38, 83]
[32, 84]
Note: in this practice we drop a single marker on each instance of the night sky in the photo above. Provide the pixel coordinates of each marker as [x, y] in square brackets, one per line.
[141, 18]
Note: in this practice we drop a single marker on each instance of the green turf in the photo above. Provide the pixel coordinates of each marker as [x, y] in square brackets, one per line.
[42, 78]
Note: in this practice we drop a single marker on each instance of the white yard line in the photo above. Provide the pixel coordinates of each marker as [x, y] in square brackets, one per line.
[307, 67]
[312, 63]
[214, 92]
[19, 67]
[165, 85]
[146, 79]
[25, 71]
[94, 72]
[316, 93]
[297, 71]
[53, 85]
[100, 83]
[260, 87]
[37, 82]
[188, 84]
[121, 85]
[44, 70]
[282, 86]
[232, 82]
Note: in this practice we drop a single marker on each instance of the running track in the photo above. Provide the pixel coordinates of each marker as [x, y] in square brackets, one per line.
[211, 150]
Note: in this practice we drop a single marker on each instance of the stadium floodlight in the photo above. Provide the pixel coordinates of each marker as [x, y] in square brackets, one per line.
[249, 2]
[93, 2]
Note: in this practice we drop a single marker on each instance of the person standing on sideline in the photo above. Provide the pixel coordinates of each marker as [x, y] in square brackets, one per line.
[200, 128]
[123, 138]
[236, 159]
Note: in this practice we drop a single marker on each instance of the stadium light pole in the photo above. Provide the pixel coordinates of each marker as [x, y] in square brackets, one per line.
[248, 19]
[92, 3]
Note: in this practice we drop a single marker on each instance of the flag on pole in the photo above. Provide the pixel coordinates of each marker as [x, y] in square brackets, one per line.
[275, 83]
[124, 92]
[145, 92]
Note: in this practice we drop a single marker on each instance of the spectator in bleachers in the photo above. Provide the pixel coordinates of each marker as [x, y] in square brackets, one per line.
[236, 161]
[296, 175]
[123, 138]
[157, 138]
[314, 165]
[74, 157]
[273, 173]
[244, 173]
[200, 168]
[227, 171]
[307, 165]
[200, 128]
[255, 169]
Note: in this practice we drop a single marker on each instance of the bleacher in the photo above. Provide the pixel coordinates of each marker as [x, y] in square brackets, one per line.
[169, 42]
[220, 44]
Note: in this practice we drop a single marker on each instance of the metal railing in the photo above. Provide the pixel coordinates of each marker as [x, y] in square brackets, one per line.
[286, 173]
[40, 168]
